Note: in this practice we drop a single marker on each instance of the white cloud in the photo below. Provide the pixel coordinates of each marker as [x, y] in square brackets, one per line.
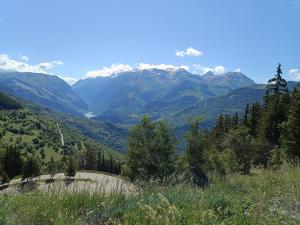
[24, 58]
[69, 80]
[188, 52]
[119, 68]
[202, 69]
[8, 64]
[108, 71]
[58, 62]
[238, 70]
[145, 66]
[295, 73]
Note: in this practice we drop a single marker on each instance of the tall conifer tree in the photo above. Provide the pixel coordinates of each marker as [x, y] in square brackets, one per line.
[290, 138]
[195, 155]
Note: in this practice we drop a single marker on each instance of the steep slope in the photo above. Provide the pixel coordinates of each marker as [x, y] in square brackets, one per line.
[33, 132]
[122, 98]
[7, 102]
[99, 131]
[43, 89]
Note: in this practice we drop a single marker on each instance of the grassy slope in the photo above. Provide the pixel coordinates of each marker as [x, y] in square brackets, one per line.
[32, 133]
[266, 198]
[101, 132]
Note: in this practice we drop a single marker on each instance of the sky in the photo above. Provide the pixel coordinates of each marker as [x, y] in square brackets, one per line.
[76, 39]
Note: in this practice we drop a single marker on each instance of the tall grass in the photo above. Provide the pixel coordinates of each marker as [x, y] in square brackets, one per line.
[270, 197]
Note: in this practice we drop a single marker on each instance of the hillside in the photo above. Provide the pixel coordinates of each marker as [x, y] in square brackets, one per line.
[33, 133]
[46, 90]
[100, 131]
[7, 102]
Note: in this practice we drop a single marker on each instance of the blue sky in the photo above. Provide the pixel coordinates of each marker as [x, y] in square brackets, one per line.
[79, 38]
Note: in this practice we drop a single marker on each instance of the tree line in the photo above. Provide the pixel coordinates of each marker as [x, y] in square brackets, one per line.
[13, 163]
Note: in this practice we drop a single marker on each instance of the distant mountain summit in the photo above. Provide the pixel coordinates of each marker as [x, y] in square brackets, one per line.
[125, 96]
[233, 79]
[46, 90]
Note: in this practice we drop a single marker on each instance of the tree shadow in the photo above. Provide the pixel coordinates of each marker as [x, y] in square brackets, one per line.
[50, 181]
[69, 180]
[27, 186]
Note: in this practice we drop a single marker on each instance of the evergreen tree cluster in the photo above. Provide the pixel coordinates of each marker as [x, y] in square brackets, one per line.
[13, 164]
[108, 164]
[267, 135]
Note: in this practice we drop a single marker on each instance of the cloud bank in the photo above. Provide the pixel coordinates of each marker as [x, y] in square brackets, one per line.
[11, 65]
[295, 73]
[188, 52]
[145, 66]
[202, 69]
[8, 64]
[108, 71]
[119, 68]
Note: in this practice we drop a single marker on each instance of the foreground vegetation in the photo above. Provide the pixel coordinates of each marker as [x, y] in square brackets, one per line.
[267, 197]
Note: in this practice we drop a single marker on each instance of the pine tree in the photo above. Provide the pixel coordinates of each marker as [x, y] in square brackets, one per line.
[254, 117]
[31, 168]
[246, 116]
[89, 157]
[12, 162]
[3, 175]
[290, 138]
[219, 129]
[99, 161]
[111, 164]
[277, 85]
[70, 167]
[235, 121]
[52, 167]
[274, 113]
[195, 155]
[103, 165]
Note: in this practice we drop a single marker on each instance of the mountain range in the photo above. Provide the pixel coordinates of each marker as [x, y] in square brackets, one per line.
[118, 101]
[123, 98]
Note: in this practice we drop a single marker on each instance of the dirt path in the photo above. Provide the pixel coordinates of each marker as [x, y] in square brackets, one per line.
[90, 182]
[61, 135]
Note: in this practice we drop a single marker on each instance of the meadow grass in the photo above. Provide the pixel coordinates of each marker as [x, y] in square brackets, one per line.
[270, 197]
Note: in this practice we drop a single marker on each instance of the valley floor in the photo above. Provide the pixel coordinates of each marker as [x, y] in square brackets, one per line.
[268, 197]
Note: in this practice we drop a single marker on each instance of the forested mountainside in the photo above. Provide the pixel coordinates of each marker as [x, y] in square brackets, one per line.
[123, 98]
[100, 131]
[7, 102]
[26, 135]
